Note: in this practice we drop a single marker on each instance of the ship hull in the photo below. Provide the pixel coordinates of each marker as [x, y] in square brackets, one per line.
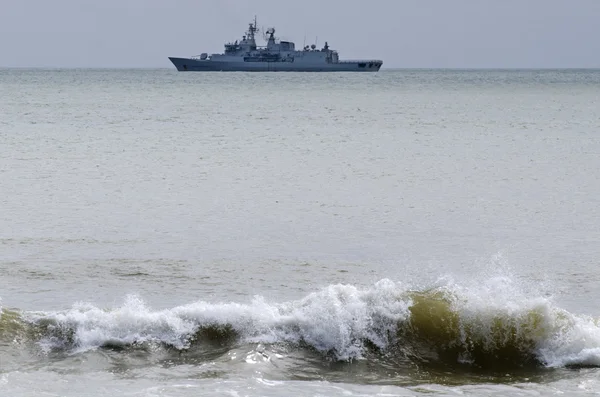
[197, 65]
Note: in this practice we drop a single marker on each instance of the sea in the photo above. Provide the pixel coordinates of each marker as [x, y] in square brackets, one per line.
[400, 233]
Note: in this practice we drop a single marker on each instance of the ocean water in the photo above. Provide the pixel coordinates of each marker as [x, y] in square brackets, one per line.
[409, 232]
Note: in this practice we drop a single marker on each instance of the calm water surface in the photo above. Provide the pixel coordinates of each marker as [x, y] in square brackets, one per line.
[409, 232]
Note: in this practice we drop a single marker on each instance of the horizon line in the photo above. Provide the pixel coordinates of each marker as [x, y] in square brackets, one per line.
[382, 69]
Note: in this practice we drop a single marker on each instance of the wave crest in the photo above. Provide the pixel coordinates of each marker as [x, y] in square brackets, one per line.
[488, 325]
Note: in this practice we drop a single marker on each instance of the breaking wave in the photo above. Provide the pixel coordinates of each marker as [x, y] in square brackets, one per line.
[488, 325]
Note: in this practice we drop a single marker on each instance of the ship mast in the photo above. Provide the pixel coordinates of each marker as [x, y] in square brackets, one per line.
[252, 29]
[249, 39]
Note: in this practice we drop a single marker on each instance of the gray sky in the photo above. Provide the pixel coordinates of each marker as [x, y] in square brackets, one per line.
[404, 33]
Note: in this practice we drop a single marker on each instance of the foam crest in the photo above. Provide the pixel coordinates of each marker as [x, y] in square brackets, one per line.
[486, 324]
[578, 343]
[337, 319]
[341, 318]
[86, 326]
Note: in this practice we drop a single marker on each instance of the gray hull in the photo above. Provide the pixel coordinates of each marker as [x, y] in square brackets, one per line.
[197, 65]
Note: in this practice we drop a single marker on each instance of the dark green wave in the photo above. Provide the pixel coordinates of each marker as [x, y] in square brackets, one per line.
[437, 331]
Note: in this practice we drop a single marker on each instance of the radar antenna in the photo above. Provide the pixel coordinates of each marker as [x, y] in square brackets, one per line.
[269, 34]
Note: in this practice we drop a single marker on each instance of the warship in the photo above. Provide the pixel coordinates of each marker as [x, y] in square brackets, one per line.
[276, 56]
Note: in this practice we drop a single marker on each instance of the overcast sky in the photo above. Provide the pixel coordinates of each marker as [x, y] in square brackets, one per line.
[404, 33]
